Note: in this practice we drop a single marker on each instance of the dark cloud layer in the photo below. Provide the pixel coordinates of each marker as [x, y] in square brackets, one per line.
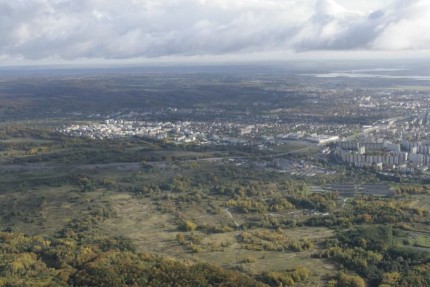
[112, 29]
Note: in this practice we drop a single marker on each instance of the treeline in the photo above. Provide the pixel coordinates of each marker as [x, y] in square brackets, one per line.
[412, 189]
[371, 252]
[242, 196]
[288, 278]
[273, 241]
[369, 210]
[67, 260]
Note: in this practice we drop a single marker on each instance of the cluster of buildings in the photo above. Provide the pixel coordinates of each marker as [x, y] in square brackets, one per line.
[178, 132]
[400, 143]
[198, 132]
[299, 168]
[111, 128]
[406, 157]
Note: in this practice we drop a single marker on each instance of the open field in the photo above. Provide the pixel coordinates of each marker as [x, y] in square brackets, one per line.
[421, 201]
[157, 232]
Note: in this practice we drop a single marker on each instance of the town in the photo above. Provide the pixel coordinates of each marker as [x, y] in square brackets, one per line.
[194, 132]
[399, 144]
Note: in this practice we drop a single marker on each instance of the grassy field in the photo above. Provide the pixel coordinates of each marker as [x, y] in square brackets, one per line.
[157, 232]
[414, 240]
[45, 210]
[422, 201]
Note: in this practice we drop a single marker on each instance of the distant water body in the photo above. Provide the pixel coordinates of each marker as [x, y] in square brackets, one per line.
[380, 73]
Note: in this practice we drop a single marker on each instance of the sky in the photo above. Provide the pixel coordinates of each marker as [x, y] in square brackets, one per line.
[130, 31]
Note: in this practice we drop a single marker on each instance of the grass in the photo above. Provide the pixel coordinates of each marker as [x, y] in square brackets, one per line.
[25, 141]
[422, 201]
[154, 231]
[151, 230]
[43, 210]
[422, 241]
[414, 238]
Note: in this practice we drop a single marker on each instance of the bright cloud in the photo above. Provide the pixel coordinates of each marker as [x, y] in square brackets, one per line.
[112, 29]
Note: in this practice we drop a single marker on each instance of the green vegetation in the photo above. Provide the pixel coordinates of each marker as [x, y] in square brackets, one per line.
[288, 278]
[371, 252]
[146, 213]
[87, 261]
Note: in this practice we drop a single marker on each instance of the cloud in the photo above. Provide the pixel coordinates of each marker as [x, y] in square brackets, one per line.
[406, 29]
[112, 29]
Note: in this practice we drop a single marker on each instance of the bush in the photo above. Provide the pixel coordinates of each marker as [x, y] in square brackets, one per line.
[188, 225]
